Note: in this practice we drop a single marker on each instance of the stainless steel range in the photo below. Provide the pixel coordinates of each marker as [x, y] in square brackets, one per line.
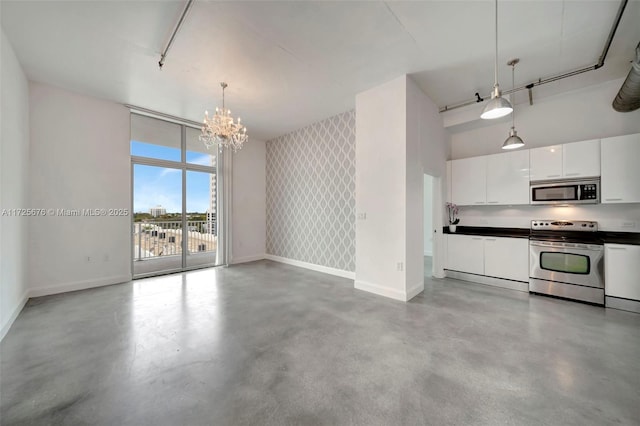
[567, 260]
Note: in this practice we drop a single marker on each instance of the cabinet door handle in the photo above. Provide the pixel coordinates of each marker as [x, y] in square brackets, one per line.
[571, 174]
[613, 199]
[617, 248]
[478, 202]
[553, 175]
[476, 238]
[489, 239]
[493, 202]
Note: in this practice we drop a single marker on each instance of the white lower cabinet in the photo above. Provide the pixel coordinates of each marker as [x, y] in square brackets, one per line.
[506, 258]
[622, 271]
[465, 253]
[497, 257]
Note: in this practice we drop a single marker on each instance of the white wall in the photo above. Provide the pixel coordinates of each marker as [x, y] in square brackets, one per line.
[79, 160]
[399, 138]
[14, 180]
[428, 215]
[568, 117]
[414, 204]
[249, 203]
[381, 189]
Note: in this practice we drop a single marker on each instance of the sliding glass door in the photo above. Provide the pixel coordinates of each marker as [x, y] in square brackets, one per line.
[157, 219]
[176, 225]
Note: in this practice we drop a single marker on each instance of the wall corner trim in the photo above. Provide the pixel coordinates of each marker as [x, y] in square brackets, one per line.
[319, 268]
[415, 290]
[14, 315]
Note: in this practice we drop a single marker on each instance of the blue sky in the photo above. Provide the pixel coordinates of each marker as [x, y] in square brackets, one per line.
[154, 186]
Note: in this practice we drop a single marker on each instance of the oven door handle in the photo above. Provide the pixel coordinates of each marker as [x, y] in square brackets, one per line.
[567, 248]
[541, 244]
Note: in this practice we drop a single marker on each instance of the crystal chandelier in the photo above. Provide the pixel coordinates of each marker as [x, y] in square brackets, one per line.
[222, 130]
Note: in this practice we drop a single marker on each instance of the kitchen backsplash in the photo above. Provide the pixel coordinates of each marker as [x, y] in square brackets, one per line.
[610, 217]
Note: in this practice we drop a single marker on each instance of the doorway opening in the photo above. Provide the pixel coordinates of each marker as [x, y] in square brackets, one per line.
[429, 231]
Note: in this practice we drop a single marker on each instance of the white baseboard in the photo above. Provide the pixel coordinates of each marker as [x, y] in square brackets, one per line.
[319, 268]
[623, 304]
[78, 285]
[14, 315]
[495, 282]
[391, 293]
[245, 259]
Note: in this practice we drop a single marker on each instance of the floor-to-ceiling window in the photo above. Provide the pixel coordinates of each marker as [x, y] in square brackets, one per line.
[177, 194]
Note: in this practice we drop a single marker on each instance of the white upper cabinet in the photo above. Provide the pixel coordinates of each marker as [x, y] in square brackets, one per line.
[581, 159]
[500, 179]
[469, 181]
[508, 178]
[571, 160]
[620, 181]
[546, 162]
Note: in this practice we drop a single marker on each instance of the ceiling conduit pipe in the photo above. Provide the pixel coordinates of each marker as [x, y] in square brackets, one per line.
[541, 81]
[628, 98]
[164, 53]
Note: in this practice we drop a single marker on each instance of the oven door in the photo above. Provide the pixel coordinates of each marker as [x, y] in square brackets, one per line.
[579, 264]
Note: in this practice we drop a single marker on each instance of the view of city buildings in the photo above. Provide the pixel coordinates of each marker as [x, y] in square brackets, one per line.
[159, 230]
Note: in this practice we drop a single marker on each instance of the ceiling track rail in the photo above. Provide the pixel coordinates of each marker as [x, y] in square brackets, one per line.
[541, 81]
[164, 53]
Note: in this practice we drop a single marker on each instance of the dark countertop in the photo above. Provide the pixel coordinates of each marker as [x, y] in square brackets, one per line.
[608, 237]
[489, 231]
[632, 238]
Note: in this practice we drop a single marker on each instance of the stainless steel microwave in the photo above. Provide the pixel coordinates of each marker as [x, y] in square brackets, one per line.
[586, 191]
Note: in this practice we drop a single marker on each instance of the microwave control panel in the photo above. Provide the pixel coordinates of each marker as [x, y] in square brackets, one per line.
[589, 192]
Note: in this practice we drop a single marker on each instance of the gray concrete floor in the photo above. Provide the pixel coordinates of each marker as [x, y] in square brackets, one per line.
[270, 344]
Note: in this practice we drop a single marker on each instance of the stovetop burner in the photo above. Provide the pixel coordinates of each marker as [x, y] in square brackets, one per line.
[569, 231]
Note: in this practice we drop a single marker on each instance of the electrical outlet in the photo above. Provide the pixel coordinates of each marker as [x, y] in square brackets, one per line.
[88, 259]
[362, 216]
[628, 224]
[400, 266]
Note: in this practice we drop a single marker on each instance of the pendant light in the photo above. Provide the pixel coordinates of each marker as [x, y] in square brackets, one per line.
[497, 106]
[513, 141]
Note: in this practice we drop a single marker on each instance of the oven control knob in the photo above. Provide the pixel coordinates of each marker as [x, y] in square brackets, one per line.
[591, 226]
[584, 224]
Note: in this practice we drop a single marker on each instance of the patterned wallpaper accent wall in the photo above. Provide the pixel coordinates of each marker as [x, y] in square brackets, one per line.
[311, 193]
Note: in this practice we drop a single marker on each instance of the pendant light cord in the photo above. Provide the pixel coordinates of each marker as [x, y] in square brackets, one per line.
[495, 68]
[513, 85]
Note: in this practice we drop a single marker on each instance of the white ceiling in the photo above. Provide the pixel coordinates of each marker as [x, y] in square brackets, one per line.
[289, 64]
